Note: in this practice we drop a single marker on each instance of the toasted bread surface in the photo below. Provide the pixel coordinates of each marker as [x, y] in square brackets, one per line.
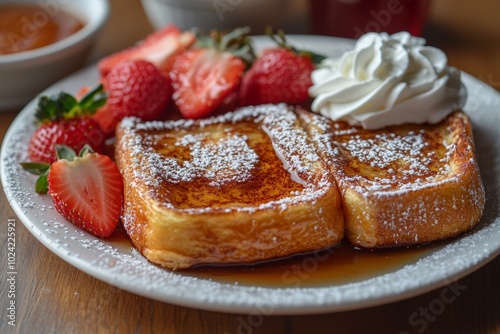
[243, 187]
[402, 185]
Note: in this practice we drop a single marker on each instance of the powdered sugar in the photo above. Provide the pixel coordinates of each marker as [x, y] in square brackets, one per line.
[398, 162]
[184, 151]
[384, 149]
[226, 160]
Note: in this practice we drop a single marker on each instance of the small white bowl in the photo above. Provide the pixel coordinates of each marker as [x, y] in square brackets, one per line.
[25, 74]
[216, 14]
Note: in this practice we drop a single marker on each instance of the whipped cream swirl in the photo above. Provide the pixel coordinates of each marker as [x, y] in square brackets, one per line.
[387, 80]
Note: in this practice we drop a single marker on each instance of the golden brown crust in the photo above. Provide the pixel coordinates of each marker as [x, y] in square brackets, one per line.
[242, 187]
[403, 185]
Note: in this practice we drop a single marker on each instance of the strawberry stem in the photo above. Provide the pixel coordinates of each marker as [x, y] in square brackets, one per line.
[235, 36]
[41, 169]
[236, 42]
[42, 184]
[36, 168]
[94, 99]
[65, 152]
[280, 39]
[65, 106]
[86, 149]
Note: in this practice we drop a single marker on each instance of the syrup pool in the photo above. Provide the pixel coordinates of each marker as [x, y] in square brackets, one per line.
[341, 265]
[336, 266]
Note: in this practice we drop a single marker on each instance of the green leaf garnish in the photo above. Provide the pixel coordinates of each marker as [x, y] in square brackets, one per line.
[37, 168]
[94, 99]
[65, 152]
[68, 102]
[65, 106]
[85, 150]
[42, 184]
[41, 169]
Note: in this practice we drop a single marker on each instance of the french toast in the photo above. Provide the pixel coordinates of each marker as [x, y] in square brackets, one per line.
[402, 185]
[243, 187]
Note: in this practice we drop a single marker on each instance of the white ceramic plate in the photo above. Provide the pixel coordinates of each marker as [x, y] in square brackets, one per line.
[123, 267]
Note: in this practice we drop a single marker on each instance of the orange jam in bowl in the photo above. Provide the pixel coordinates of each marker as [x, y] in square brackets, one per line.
[26, 27]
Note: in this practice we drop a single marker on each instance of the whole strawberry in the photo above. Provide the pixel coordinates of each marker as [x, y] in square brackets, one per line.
[64, 120]
[280, 74]
[86, 189]
[137, 88]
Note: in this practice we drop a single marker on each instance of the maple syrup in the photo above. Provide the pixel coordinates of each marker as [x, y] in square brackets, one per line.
[340, 265]
[26, 27]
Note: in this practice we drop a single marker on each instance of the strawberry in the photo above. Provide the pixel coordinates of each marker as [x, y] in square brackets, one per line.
[82, 92]
[202, 78]
[64, 120]
[159, 48]
[136, 88]
[106, 120]
[279, 75]
[86, 189]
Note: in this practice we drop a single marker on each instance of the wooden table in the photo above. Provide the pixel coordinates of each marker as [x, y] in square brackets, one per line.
[54, 297]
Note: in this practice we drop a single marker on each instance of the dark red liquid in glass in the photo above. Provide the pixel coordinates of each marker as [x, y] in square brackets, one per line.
[353, 18]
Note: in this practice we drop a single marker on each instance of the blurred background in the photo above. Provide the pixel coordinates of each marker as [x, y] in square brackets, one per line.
[468, 31]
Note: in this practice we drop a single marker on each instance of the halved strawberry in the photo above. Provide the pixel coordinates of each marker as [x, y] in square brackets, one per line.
[159, 48]
[204, 77]
[88, 192]
[86, 189]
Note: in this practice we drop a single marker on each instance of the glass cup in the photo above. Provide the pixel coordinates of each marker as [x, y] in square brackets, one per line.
[353, 18]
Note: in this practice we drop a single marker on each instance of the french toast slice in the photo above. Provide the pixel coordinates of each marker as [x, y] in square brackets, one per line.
[238, 188]
[402, 185]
